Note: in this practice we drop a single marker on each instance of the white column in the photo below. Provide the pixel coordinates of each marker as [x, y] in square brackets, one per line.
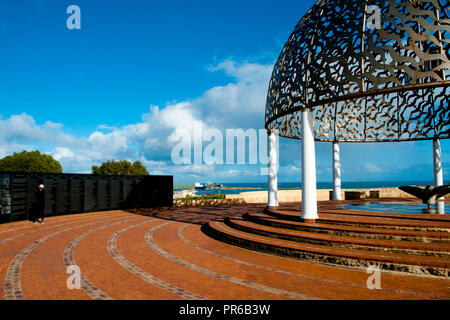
[309, 193]
[440, 207]
[273, 171]
[437, 164]
[337, 194]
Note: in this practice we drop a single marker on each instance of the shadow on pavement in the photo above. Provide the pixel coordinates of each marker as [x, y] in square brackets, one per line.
[196, 215]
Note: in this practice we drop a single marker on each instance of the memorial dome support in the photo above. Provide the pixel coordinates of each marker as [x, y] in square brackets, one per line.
[437, 164]
[273, 170]
[309, 192]
[337, 192]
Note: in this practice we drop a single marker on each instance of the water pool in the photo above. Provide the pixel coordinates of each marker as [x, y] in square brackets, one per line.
[400, 207]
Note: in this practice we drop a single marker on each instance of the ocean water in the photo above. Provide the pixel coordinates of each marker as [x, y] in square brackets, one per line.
[235, 188]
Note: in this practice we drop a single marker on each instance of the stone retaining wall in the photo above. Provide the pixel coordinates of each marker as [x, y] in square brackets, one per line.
[207, 202]
[322, 195]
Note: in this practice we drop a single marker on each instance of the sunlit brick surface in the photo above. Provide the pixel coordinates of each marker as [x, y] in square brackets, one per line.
[165, 254]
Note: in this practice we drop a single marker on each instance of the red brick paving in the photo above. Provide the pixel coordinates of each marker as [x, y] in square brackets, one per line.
[107, 274]
[181, 262]
[48, 276]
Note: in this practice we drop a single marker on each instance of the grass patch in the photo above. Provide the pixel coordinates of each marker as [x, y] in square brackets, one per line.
[204, 197]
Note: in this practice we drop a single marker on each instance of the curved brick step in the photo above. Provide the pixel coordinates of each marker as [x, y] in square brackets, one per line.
[366, 221]
[321, 280]
[311, 237]
[349, 231]
[408, 216]
[429, 265]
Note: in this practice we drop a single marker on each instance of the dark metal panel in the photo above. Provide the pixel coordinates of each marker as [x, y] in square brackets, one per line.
[62, 195]
[90, 193]
[74, 193]
[116, 193]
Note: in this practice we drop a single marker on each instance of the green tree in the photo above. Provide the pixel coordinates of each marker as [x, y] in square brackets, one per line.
[33, 161]
[121, 168]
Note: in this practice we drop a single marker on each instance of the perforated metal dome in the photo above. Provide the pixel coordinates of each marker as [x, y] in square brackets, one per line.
[365, 82]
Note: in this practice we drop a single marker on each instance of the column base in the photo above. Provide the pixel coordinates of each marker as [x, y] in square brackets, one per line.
[271, 207]
[308, 220]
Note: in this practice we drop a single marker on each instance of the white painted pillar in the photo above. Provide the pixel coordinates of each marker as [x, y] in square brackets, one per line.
[337, 194]
[437, 164]
[440, 207]
[273, 170]
[309, 193]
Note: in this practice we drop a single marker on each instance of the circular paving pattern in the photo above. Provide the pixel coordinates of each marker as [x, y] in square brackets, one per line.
[166, 255]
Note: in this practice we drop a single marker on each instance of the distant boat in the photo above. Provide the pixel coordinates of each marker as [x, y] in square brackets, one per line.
[199, 186]
[208, 186]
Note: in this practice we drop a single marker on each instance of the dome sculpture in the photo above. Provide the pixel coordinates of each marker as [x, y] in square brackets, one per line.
[360, 71]
[369, 71]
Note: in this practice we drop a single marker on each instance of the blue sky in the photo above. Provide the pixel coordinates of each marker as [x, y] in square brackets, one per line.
[138, 70]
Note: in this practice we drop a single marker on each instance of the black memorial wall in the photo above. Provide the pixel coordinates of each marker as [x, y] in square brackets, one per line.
[78, 193]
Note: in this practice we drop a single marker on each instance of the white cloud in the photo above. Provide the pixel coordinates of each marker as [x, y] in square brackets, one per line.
[245, 72]
[62, 152]
[106, 127]
[108, 144]
[372, 168]
[240, 104]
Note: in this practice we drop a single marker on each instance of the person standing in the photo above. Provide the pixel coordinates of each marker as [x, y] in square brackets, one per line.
[40, 204]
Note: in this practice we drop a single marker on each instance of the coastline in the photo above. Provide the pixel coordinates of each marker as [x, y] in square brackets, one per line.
[322, 194]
